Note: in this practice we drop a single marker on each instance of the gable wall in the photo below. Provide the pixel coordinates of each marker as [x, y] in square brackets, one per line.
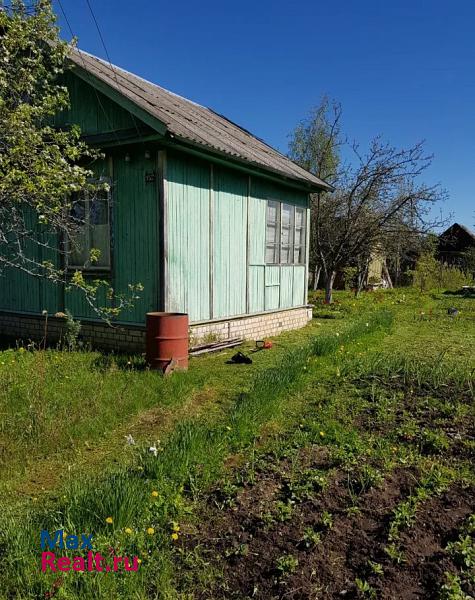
[91, 110]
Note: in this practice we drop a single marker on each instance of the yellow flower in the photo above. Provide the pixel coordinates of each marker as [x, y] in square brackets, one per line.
[150, 531]
[322, 434]
[228, 428]
[128, 530]
[155, 494]
[109, 520]
[175, 526]
[174, 536]
[139, 560]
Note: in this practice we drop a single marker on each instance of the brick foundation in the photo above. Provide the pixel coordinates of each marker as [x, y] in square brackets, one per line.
[131, 338]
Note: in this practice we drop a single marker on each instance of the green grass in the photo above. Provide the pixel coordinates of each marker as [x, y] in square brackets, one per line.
[65, 415]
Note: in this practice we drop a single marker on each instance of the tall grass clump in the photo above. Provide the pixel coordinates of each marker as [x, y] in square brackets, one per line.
[409, 371]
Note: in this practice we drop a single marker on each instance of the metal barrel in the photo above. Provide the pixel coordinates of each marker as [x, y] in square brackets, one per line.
[167, 340]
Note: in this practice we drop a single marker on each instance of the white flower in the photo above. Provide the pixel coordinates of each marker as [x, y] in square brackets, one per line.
[153, 450]
[367, 324]
[130, 440]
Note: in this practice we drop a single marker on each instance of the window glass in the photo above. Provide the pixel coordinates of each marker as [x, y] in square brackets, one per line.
[299, 236]
[272, 233]
[286, 233]
[92, 213]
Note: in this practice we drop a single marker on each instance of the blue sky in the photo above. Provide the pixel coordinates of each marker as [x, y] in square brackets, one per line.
[402, 69]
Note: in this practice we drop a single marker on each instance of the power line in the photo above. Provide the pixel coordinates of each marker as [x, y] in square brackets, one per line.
[85, 67]
[111, 65]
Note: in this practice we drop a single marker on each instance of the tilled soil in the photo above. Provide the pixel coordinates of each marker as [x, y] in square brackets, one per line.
[248, 547]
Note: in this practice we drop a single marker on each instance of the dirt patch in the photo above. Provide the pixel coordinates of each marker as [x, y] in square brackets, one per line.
[265, 551]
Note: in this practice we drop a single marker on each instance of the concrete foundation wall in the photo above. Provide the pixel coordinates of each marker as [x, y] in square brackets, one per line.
[131, 338]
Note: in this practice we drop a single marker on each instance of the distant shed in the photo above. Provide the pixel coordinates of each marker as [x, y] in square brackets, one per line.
[453, 243]
[210, 219]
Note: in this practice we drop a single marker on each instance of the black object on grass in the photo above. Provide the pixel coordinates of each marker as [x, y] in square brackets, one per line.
[240, 359]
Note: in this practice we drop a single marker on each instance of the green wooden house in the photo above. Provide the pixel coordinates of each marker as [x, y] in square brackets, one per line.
[208, 218]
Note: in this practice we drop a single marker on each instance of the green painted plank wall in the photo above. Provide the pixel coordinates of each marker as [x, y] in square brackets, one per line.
[91, 110]
[229, 243]
[136, 232]
[188, 227]
[236, 206]
[256, 288]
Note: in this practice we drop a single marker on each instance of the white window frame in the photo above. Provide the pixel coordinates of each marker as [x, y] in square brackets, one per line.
[293, 247]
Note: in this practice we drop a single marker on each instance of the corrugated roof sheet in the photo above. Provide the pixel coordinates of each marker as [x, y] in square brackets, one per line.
[191, 122]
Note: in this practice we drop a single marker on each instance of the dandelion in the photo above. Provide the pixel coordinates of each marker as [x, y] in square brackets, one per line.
[109, 520]
[175, 526]
[128, 531]
[150, 531]
[174, 536]
[155, 494]
[322, 434]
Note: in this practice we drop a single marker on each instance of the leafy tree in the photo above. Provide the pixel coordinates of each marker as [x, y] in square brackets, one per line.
[41, 167]
[377, 197]
[315, 145]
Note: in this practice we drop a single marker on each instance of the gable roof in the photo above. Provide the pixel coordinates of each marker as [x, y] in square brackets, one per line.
[456, 237]
[192, 123]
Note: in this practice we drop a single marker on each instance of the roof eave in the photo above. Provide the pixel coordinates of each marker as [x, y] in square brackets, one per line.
[216, 156]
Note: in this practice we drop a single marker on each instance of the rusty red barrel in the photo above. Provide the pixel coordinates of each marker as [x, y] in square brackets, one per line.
[167, 340]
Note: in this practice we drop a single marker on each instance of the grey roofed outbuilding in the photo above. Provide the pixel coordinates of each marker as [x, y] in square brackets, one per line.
[194, 124]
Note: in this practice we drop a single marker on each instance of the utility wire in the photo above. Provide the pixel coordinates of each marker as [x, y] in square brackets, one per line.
[111, 65]
[85, 67]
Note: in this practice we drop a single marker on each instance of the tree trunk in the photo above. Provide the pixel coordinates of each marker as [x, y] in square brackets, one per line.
[329, 287]
[316, 277]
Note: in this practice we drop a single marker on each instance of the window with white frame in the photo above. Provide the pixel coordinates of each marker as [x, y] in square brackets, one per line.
[285, 234]
[92, 213]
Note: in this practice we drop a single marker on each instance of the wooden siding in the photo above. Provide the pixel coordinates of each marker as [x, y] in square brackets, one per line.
[188, 226]
[216, 228]
[229, 243]
[91, 110]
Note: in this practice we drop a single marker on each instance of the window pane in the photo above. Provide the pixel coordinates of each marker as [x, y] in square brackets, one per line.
[92, 215]
[287, 213]
[299, 257]
[286, 255]
[286, 236]
[79, 253]
[100, 231]
[271, 254]
[299, 237]
[287, 233]
[99, 211]
[271, 234]
[272, 212]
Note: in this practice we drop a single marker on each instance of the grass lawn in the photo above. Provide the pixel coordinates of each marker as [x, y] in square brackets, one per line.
[338, 464]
